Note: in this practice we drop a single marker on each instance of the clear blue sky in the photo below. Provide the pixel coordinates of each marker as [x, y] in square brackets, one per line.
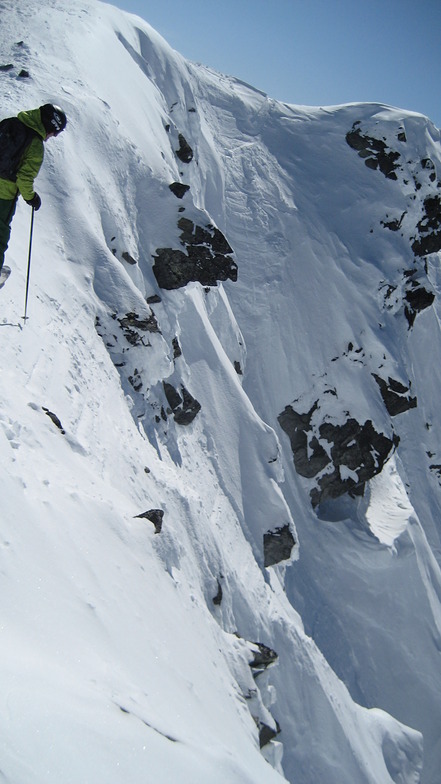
[313, 52]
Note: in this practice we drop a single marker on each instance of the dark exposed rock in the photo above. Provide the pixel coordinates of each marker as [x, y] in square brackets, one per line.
[135, 380]
[173, 397]
[24, 74]
[417, 298]
[179, 189]
[207, 259]
[431, 243]
[277, 545]
[357, 447]
[432, 207]
[237, 367]
[190, 408]
[147, 324]
[266, 733]
[428, 164]
[429, 228]
[436, 467]
[185, 153]
[184, 406]
[172, 268]
[155, 516]
[342, 458]
[177, 351]
[309, 458]
[394, 225]
[395, 395]
[54, 419]
[131, 324]
[6, 67]
[263, 656]
[217, 600]
[375, 152]
[409, 293]
[133, 337]
[193, 235]
[154, 299]
[332, 486]
[128, 258]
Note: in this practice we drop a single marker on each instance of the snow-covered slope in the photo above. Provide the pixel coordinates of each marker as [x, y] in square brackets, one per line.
[219, 538]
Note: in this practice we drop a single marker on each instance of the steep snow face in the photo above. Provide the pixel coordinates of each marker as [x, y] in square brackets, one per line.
[219, 537]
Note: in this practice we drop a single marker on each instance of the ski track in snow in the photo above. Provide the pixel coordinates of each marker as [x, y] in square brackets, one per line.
[115, 663]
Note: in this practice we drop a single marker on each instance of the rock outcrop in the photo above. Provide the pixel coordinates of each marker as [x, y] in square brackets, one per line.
[395, 395]
[185, 152]
[341, 458]
[183, 405]
[277, 545]
[425, 234]
[375, 152]
[207, 259]
[155, 516]
[428, 239]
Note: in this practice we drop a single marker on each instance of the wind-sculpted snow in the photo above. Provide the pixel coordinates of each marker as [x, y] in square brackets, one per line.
[173, 606]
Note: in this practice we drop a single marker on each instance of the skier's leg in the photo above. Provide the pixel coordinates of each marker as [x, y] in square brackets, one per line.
[7, 210]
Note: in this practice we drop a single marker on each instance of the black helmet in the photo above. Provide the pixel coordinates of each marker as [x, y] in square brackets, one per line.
[53, 118]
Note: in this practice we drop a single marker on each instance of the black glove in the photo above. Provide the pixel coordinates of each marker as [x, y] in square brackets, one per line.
[35, 202]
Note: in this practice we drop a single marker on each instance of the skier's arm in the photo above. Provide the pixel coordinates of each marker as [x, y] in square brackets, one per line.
[29, 168]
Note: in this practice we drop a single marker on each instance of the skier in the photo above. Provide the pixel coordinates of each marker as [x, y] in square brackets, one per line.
[21, 156]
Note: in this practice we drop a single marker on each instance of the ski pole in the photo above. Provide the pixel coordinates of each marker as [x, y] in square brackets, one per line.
[25, 317]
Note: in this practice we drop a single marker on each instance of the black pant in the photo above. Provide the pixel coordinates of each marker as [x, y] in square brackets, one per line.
[7, 210]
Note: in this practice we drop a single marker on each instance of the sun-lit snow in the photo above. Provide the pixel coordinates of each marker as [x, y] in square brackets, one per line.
[389, 509]
[115, 663]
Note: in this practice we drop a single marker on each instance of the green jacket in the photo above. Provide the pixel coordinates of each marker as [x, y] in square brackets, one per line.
[30, 163]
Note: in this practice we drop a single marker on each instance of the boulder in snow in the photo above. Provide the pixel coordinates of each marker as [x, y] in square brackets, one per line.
[375, 152]
[342, 458]
[184, 153]
[182, 404]
[277, 545]
[155, 516]
[207, 260]
[395, 395]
